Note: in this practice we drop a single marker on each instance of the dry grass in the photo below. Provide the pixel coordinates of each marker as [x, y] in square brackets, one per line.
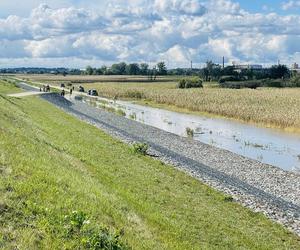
[266, 106]
[89, 79]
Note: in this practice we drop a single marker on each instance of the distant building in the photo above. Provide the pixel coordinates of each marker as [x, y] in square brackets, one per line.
[240, 67]
[248, 66]
[295, 67]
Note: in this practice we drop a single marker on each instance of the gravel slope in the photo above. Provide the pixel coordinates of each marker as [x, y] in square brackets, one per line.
[258, 186]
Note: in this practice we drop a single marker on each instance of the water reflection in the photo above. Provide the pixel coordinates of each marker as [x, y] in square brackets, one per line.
[269, 146]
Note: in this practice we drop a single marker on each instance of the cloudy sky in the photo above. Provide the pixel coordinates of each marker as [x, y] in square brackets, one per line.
[76, 33]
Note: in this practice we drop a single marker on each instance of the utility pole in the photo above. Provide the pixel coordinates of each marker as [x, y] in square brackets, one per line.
[191, 65]
[223, 62]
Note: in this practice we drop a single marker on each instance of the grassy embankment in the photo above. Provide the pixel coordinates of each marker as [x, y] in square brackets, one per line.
[52, 164]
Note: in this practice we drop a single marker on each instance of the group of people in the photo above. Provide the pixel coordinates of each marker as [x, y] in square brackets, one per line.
[63, 92]
[46, 88]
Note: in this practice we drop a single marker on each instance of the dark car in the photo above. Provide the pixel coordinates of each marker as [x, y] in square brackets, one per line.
[93, 92]
[62, 85]
[81, 89]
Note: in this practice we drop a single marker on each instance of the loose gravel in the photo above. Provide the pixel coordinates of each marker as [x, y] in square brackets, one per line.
[260, 187]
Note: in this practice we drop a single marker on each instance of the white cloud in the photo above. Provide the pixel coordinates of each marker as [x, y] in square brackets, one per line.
[150, 30]
[291, 5]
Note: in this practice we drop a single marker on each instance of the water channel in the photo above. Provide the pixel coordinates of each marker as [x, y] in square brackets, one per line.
[270, 146]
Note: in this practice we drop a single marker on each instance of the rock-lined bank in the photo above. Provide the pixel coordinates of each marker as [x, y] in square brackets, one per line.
[261, 187]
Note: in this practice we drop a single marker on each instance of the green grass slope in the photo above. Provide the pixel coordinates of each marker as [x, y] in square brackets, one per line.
[51, 164]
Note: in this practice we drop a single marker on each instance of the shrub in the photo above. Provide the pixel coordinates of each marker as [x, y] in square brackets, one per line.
[242, 84]
[132, 116]
[232, 78]
[75, 221]
[188, 83]
[295, 81]
[181, 84]
[79, 227]
[104, 239]
[140, 148]
[121, 112]
[189, 132]
[277, 83]
[228, 199]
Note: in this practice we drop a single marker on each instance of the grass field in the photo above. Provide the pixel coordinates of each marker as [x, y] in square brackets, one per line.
[52, 164]
[269, 107]
[77, 79]
[265, 106]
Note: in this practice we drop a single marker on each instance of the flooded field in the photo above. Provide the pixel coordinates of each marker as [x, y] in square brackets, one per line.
[269, 146]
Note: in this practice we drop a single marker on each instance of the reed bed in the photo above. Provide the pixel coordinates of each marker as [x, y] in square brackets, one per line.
[268, 106]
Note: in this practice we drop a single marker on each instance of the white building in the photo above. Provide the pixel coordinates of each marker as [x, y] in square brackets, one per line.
[240, 67]
[295, 67]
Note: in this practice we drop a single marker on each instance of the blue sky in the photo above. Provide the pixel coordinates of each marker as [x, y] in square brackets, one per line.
[266, 6]
[75, 33]
[23, 8]
[257, 5]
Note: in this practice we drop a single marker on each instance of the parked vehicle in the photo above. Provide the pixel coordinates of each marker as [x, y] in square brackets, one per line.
[62, 85]
[81, 89]
[93, 92]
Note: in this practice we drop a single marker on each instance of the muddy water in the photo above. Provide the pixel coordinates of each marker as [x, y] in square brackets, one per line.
[269, 146]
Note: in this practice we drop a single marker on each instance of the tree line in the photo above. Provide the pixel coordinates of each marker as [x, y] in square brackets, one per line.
[128, 69]
[211, 71]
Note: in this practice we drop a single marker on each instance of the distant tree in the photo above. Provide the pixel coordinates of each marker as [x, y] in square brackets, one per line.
[162, 69]
[216, 72]
[209, 68]
[118, 68]
[103, 70]
[89, 70]
[152, 74]
[132, 69]
[144, 67]
[248, 74]
[98, 71]
[279, 71]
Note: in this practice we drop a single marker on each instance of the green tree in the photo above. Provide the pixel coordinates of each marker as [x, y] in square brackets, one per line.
[144, 67]
[132, 69]
[98, 71]
[118, 68]
[279, 71]
[89, 70]
[162, 69]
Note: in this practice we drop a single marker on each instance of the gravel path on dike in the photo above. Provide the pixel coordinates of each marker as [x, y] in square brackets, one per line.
[260, 187]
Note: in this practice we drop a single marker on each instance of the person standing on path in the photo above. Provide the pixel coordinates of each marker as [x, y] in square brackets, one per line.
[71, 91]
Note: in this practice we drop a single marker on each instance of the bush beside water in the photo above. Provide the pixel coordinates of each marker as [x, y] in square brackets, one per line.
[188, 83]
[140, 148]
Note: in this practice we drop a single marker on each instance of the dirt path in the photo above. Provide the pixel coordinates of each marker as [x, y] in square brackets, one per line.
[24, 94]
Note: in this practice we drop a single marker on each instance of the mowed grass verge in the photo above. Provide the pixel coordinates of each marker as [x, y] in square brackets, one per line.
[52, 164]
